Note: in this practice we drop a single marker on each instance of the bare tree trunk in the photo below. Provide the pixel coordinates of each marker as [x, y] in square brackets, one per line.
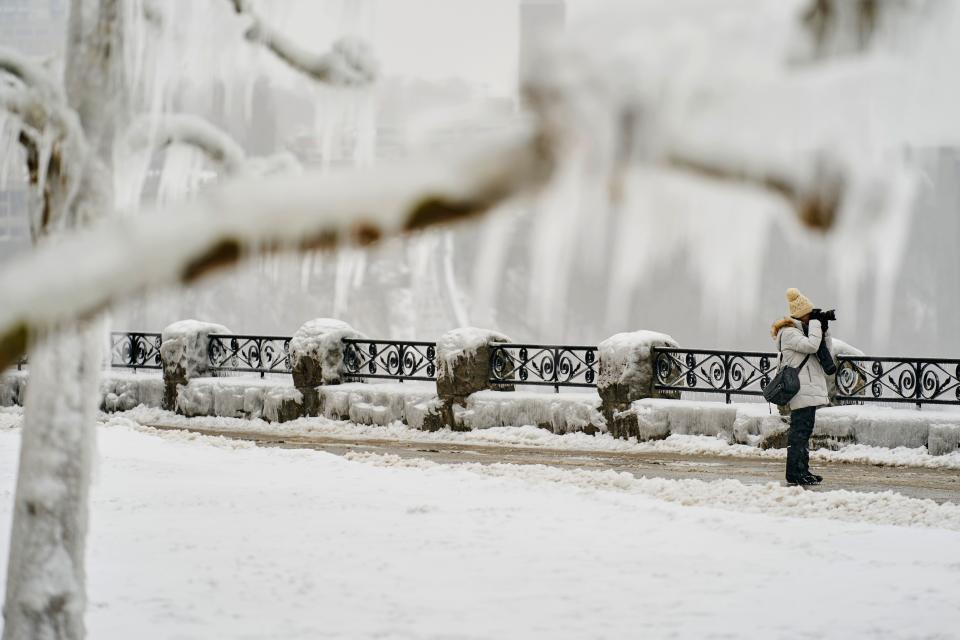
[45, 577]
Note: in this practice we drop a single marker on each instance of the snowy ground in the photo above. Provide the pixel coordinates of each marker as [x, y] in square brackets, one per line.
[197, 537]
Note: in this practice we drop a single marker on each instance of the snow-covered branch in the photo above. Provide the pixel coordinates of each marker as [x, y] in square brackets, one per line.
[56, 152]
[32, 75]
[320, 210]
[187, 129]
[815, 192]
[349, 62]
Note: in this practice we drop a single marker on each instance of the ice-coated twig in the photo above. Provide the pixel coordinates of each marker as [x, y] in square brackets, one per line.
[348, 63]
[317, 210]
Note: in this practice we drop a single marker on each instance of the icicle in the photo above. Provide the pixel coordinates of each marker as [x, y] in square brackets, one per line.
[306, 268]
[455, 296]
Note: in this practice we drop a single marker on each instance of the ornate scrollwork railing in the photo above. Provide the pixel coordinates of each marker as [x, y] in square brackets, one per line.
[705, 371]
[249, 354]
[914, 380]
[539, 364]
[135, 350]
[391, 359]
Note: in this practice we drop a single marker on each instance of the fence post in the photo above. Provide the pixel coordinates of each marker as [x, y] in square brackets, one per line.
[463, 368]
[627, 373]
[838, 349]
[183, 353]
[316, 358]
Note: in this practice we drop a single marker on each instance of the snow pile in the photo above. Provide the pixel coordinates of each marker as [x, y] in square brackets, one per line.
[558, 412]
[944, 438]
[275, 399]
[10, 417]
[883, 426]
[319, 342]
[13, 388]
[750, 423]
[378, 404]
[660, 418]
[887, 508]
[236, 397]
[122, 391]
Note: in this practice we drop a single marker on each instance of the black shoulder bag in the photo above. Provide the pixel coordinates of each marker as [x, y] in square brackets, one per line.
[786, 383]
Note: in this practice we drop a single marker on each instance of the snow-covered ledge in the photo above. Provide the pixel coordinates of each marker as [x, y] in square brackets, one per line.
[627, 373]
[463, 357]
[183, 352]
[316, 357]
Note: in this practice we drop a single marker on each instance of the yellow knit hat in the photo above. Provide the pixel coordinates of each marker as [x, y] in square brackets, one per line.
[800, 305]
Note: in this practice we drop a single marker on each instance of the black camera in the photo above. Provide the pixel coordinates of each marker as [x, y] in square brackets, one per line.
[820, 314]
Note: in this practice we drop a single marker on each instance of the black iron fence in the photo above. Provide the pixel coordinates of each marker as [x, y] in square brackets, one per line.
[249, 354]
[129, 350]
[728, 373]
[859, 379]
[135, 350]
[742, 373]
[546, 365]
[901, 380]
[390, 359]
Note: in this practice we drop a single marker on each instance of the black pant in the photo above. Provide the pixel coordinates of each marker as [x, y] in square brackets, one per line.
[798, 451]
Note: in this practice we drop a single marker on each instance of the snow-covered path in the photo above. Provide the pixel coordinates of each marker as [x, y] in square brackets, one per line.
[196, 537]
[938, 484]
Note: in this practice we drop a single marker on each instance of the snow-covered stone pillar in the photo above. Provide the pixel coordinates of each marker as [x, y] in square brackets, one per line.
[183, 352]
[316, 356]
[841, 348]
[463, 357]
[627, 373]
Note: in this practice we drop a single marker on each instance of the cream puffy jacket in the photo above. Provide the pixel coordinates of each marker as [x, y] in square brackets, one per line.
[794, 347]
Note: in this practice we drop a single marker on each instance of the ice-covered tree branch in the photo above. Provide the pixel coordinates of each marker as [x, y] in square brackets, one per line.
[149, 133]
[315, 211]
[32, 75]
[815, 194]
[56, 151]
[349, 62]
[191, 130]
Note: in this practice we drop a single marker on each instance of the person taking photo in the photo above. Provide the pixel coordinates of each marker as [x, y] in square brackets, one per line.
[804, 343]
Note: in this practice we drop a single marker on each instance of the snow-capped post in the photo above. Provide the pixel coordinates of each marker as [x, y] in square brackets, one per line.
[316, 358]
[184, 355]
[463, 368]
[841, 348]
[627, 373]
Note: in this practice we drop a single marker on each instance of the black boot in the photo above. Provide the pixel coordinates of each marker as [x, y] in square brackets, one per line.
[794, 470]
[805, 474]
